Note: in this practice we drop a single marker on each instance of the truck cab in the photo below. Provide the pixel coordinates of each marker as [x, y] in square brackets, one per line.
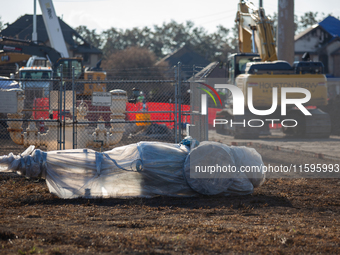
[36, 82]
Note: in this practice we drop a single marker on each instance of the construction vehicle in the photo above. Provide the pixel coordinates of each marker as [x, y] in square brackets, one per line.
[10, 63]
[57, 41]
[57, 55]
[9, 58]
[37, 83]
[53, 28]
[9, 45]
[38, 61]
[261, 72]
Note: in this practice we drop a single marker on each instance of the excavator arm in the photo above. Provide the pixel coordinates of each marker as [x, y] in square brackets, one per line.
[9, 45]
[255, 28]
[11, 57]
[29, 48]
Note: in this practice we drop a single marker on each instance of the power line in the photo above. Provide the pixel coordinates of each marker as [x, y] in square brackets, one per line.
[213, 14]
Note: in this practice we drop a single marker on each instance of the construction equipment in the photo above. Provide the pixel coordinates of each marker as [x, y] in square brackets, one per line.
[261, 72]
[37, 83]
[53, 28]
[57, 55]
[9, 58]
[10, 62]
[9, 45]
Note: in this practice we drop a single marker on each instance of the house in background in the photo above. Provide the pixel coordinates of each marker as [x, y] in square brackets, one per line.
[22, 29]
[188, 58]
[322, 42]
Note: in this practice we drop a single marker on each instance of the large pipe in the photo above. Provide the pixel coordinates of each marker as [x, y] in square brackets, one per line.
[16, 136]
[101, 137]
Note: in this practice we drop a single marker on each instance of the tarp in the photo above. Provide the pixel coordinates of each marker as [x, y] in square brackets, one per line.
[6, 83]
[144, 169]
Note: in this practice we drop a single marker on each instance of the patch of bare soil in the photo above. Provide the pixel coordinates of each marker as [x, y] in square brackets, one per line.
[284, 216]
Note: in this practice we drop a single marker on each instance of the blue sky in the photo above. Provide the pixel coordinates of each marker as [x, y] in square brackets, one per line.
[104, 14]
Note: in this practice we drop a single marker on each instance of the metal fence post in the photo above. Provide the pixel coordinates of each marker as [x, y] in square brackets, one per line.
[179, 91]
[60, 104]
[176, 92]
[74, 105]
[64, 114]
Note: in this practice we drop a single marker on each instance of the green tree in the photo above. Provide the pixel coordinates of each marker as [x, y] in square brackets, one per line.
[233, 40]
[90, 36]
[308, 19]
[1, 24]
[164, 39]
[118, 39]
[211, 46]
[301, 23]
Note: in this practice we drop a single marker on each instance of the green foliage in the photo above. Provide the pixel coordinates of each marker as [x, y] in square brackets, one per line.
[33, 250]
[90, 36]
[167, 37]
[308, 19]
[301, 23]
[1, 24]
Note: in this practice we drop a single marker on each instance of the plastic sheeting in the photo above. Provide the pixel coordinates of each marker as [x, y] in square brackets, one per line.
[242, 169]
[145, 169]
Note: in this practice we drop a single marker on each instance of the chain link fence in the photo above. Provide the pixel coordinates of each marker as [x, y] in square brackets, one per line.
[96, 113]
[25, 113]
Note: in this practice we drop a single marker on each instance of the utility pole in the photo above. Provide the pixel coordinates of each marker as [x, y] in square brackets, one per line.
[285, 31]
[34, 34]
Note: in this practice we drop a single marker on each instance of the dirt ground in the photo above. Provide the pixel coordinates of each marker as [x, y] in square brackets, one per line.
[284, 216]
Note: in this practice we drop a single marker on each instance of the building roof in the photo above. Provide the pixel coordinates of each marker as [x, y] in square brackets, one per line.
[304, 32]
[186, 56]
[331, 25]
[22, 29]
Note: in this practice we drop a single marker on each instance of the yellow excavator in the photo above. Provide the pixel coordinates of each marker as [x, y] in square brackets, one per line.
[11, 57]
[22, 48]
[262, 73]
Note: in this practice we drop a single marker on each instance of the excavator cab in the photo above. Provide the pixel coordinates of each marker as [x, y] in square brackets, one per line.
[67, 64]
[237, 63]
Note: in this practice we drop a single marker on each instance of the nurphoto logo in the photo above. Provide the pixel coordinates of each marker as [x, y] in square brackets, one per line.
[239, 105]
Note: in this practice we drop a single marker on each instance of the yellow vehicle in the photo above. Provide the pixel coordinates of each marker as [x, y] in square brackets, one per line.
[9, 58]
[28, 48]
[95, 76]
[262, 72]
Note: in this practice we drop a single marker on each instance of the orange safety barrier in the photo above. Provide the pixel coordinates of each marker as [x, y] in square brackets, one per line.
[157, 111]
[40, 104]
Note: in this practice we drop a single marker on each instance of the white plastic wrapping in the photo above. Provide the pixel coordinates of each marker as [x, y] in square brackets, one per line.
[144, 169]
[212, 157]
